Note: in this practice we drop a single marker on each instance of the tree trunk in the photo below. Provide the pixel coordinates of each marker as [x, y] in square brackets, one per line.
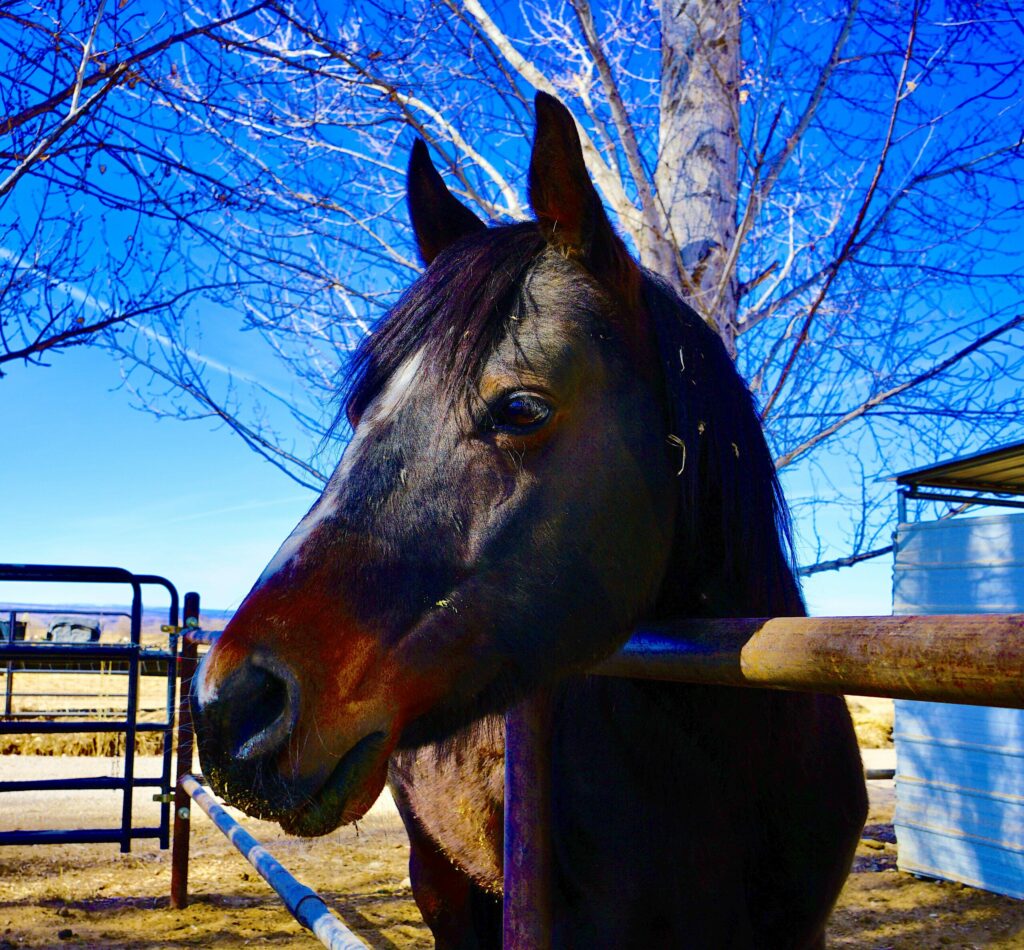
[696, 173]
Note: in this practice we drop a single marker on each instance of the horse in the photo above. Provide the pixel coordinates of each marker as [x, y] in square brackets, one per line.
[548, 447]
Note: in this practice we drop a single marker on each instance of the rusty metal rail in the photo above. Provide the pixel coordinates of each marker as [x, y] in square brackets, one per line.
[973, 658]
[957, 658]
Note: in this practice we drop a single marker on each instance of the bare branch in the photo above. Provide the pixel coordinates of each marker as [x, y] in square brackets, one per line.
[879, 398]
[840, 562]
[899, 95]
[608, 183]
[627, 135]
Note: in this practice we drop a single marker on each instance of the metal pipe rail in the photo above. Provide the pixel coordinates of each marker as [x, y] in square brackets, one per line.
[303, 903]
[973, 658]
[957, 658]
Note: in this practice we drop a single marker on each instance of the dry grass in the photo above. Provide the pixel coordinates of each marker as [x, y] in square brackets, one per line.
[873, 719]
[96, 695]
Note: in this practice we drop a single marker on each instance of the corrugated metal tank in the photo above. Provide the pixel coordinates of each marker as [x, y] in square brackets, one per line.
[960, 769]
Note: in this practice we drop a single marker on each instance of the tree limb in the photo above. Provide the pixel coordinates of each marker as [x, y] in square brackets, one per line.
[609, 184]
[783, 460]
[840, 562]
[623, 125]
[898, 98]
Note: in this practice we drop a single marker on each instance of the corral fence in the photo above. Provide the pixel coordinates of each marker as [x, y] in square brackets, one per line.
[302, 902]
[64, 627]
[975, 659]
[21, 655]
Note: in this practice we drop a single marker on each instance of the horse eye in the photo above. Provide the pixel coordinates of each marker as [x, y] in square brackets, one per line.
[520, 412]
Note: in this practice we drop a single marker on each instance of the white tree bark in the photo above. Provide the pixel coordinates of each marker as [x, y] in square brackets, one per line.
[696, 172]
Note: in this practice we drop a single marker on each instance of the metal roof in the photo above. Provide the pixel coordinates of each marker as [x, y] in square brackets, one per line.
[998, 471]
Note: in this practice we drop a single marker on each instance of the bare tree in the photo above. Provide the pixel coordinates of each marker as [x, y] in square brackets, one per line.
[836, 189]
[87, 177]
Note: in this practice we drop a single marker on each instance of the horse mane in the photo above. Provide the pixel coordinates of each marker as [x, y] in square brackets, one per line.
[732, 538]
[733, 543]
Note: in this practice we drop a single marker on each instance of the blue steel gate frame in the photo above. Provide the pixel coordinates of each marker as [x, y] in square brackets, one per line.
[49, 655]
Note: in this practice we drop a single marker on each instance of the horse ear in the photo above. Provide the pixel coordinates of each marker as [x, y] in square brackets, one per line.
[438, 218]
[565, 201]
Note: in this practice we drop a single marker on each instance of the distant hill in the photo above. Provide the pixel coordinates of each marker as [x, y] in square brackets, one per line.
[114, 619]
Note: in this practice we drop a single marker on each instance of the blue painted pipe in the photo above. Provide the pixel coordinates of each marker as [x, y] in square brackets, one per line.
[303, 903]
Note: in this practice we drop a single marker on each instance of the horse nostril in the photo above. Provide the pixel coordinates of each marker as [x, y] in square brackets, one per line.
[266, 715]
[250, 714]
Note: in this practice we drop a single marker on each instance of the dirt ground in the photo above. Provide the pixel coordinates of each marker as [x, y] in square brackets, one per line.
[93, 896]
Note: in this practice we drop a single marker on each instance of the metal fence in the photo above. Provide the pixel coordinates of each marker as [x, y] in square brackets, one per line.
[32, 655]
[976, 659]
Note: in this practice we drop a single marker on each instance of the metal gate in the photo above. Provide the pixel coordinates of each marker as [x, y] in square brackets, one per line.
[22, 655]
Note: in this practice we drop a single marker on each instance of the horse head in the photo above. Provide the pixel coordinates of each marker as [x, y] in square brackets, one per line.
[503, 512]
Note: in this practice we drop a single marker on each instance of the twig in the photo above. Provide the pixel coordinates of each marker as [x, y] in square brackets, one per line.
[898, 98]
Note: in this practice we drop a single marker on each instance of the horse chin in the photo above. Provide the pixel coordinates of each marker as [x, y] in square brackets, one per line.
[349, 792]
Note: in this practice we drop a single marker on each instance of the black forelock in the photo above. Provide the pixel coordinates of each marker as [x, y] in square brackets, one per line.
[456, 313]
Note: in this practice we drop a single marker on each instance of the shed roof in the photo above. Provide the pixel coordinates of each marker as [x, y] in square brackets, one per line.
[999, 471]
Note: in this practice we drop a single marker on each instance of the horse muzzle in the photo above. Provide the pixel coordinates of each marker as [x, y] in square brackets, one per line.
[261, 757]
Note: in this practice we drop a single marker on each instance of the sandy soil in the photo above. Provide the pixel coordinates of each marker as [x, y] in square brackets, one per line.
[93, 896]
[885, 909]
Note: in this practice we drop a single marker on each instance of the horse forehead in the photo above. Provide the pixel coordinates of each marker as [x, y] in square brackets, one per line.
[558, 310]
[397, 390]
[558, 288]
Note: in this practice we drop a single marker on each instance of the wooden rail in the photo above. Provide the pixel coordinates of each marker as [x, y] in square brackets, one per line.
[972, 658]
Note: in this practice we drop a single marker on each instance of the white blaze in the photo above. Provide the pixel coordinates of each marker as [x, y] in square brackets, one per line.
[390, 399]
[293, 543]
[398, 387]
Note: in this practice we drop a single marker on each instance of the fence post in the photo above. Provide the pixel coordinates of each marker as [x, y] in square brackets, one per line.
[527, 918]
[182, 801]
[9, 678]
[132, 717]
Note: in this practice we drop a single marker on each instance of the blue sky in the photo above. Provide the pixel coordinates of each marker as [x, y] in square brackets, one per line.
[89, 480]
